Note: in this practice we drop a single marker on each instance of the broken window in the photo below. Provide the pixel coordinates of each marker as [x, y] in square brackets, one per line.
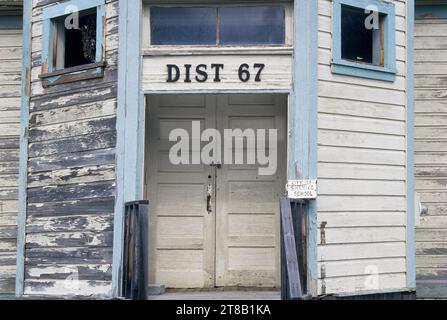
[76, 42]
[360, 42]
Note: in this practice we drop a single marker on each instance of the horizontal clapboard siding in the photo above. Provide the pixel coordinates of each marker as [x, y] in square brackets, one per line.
[431, 153]
[10, 77]
[71, 180]
[361, 171]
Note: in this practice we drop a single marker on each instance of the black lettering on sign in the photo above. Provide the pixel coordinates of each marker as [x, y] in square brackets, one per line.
[201, 70]
[188, 73]
[260, 67]
[218, 67]
[171, 77]
[202, 75]
[244, 74]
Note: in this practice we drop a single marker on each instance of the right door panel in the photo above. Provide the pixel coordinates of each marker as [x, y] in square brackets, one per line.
[247, 214]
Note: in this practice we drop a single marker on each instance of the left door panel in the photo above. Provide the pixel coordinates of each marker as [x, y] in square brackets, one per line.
[182, 229]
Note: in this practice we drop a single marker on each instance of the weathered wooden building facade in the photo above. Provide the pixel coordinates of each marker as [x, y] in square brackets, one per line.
[430, 145]
[105, 83]
[10, 93]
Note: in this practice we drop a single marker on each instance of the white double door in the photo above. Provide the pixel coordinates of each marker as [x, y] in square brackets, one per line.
[214, 225]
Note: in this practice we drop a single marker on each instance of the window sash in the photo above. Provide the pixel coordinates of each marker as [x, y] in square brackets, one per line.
[387, 72]
[218, 40]
[53, 13]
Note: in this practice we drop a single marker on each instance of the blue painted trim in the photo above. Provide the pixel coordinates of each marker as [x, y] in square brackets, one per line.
[47, 42]
[23, 162]
[431, 11]
[130, 126]
[62, 9]
[362, 72]
[11, 22]
[350, 68]
[100, 34]
[303, 117]
[411, 247]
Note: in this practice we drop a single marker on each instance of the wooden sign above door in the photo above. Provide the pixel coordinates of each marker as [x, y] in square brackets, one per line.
[218, 72]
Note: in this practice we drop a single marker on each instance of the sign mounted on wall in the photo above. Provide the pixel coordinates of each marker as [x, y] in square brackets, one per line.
[218, 72]
[212, 72]
[302, 189]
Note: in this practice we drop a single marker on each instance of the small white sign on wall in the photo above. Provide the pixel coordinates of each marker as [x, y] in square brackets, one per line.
[302, 189]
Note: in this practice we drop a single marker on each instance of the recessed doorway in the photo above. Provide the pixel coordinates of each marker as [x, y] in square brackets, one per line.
[215, 224]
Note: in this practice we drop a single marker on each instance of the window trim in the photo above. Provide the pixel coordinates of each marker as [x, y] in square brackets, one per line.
[388, 71]
[52, 76]
[146, 24]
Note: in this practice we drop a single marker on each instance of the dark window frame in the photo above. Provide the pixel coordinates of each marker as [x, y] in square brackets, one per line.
[387, 70]
[217, 43]
[52, 74]
[377, 45]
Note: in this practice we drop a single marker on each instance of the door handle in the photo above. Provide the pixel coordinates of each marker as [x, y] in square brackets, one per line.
[209, 196]
[217, 165]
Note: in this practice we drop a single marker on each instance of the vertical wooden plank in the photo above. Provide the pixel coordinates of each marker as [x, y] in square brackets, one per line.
[283, 267]
[23, 164]
[293, 285]
[145, 245]
[303, 117]
[125, 269]
[128, 125]
[411, 254]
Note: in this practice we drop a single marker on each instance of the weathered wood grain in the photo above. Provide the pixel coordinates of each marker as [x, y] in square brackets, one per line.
[69, 239]
[100, 272]
[71, 129]
[73, 98]
[75, 160]
[8, 232]
[8, 245]
[9, 155]
[8, 219]
[71, 176]
[8, 142]
[75, 145]
[10, 167]
[8, 193]
[96, 223]
[80, 255]
[431, 153]
[84, 111]
[69, 208]
[69, 287]
[7, 258]
[71, 181]
[10, 92]
[71, 192]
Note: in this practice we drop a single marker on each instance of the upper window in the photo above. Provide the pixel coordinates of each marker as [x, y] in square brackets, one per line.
[73, 37]
[364, 39]
[225, 26]
[76, 46]
[359, 43]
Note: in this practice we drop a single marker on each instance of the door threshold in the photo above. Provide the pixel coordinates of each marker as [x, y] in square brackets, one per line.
[264, 294]
[224, 289]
